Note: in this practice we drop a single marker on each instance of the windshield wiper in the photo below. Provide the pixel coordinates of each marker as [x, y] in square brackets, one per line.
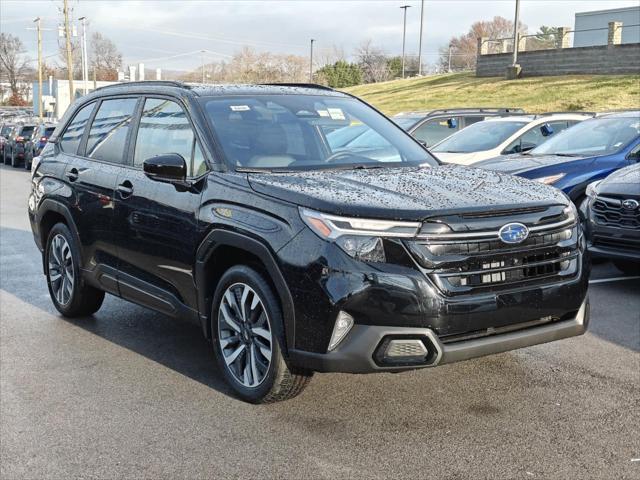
[566, 154]
[253, 170]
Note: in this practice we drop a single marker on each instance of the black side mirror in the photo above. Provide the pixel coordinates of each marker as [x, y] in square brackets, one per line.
[170, 168]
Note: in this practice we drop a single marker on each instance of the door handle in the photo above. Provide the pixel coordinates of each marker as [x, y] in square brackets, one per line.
[72, 175]
[125, 189]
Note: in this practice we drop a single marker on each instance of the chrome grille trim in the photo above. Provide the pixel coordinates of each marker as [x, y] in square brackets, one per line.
[493, 235]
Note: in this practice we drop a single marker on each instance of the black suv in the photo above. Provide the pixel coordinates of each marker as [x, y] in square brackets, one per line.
[17, 149]
[225, 205]
[611, 211]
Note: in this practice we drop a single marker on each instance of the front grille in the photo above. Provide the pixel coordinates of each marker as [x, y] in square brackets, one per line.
[475, 262]
[610, 212]
[627, 244]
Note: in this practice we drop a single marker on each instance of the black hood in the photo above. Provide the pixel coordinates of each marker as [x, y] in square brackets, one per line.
[515, 164]
[405, 193]
[625, 181]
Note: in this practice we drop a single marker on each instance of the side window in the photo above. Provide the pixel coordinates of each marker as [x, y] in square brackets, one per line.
[432, 131]
[471, 120]
[165, 128]
[109, 130]
[72, 135]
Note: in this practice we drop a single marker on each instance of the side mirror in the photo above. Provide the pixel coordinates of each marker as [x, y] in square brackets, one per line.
[170, 168]
[452, 123]
[546, 130]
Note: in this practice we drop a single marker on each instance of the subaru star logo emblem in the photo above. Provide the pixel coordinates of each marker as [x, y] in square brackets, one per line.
[513, 233]
[630, 204]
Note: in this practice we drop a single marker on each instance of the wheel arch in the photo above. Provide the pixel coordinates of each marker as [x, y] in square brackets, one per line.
[222, 249]
[49, 213]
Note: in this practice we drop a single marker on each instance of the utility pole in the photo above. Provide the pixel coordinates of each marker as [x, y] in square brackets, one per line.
[516, 34]
[85, 61]
[404, 34]
[67, 34]
[311, 62]
[420, 42]
[38, 22]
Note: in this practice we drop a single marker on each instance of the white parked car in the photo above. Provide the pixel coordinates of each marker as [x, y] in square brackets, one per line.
[503, 136]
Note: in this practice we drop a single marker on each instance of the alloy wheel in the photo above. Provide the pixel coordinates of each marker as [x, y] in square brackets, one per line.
[244, 335]
[61, 276]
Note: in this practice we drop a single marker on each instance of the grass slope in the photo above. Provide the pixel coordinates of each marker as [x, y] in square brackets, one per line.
[535, 94]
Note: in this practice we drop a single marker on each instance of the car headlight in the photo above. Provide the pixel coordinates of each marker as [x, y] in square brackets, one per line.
[571, 212]
[359, 238]
[592, 189]
[551, 179]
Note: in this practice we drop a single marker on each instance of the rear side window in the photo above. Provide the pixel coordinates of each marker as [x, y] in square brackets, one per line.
[432, 131]
[165, 128]
[70, 139]
[109, 130]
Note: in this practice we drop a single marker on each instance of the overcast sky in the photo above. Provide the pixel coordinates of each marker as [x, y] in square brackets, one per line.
[153, 31]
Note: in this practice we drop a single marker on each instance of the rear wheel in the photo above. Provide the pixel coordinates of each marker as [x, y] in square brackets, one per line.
[14, 160]
[70, 295]
[244, 321]
[629, 268]
[6, 156]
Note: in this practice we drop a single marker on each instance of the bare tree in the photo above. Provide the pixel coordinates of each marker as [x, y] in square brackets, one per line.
[464, 49]
[76, 58]
[104, 57]
[14, 62]
[373, 63]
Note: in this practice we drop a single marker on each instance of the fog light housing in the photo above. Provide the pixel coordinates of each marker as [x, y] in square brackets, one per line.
[405, 351]
[344, 323]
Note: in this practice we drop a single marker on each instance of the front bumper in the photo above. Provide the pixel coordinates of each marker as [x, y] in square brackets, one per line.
[357, 352]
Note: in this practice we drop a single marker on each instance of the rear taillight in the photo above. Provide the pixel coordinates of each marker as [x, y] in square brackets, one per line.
[20, 139]
[43, 139]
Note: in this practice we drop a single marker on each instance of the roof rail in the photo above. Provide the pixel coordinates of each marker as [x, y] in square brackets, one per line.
[577, 112]
[464, 110]
[301, 85]
[166, 83]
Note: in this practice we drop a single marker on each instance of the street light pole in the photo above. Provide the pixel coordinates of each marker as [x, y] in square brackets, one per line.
[67, 34]
[516, 34]
[404, 34]
[202, 52]
[85, 61]
[420, 42]
[38, 23]
[311, 62]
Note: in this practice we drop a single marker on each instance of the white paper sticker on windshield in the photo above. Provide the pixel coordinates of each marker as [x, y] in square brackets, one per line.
[323, 113]
[240, 108]
[336, 113]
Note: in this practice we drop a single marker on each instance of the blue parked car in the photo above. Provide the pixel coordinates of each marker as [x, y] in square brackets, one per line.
[582, 154]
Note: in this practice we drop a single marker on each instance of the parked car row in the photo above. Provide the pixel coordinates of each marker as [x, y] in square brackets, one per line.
[21, 142]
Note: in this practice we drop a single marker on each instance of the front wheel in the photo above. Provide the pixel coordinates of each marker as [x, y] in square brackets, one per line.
[244, 318]
[70, 295]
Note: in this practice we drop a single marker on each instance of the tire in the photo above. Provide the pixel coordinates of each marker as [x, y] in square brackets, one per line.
[628, 267]
[245, 340]
[28, 159]
[62, 268]
[14, 160]
[5, 157]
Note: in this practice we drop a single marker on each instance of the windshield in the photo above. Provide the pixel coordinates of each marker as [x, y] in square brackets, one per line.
[407, 122]
[302, 132]
[479, 137]
[600, 136]
[27, 131]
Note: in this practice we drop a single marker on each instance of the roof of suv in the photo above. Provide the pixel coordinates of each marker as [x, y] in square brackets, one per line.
[208, 90]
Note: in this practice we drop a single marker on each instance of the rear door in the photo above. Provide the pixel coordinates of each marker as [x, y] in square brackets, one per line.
[156, 223]
[93, 173]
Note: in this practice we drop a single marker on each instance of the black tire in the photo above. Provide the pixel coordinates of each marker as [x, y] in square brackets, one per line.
[5, 156]
[278, 381]
[627, 267]
[14, 160]
[82, 299]
[28, 159]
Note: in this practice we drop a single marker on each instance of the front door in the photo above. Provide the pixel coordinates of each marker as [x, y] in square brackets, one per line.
[156, 223]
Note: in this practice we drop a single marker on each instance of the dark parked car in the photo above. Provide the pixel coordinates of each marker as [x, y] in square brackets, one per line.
[578, 156]
[612, 213]
[39, 140]
[225, 205]
[433, 126]
[17, 149]
[5, 133]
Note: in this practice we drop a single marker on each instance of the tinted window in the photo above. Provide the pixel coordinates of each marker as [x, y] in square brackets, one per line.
[290, 131]
[471, 120]
[48, 131]
[71, 137]
[109, 130]
[164, 128]
[433, 131]
[480, 136]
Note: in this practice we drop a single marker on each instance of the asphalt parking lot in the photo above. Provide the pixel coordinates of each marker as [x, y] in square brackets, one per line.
[130, 393]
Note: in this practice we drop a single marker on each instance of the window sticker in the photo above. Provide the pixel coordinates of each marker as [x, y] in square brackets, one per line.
[336, 113]
[323, 113]
[240, 108]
